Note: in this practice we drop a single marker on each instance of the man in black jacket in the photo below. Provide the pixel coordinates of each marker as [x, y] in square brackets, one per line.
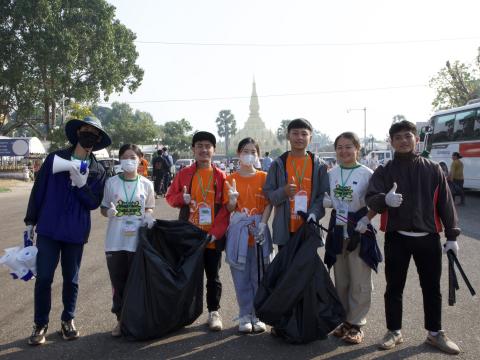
[413, 198]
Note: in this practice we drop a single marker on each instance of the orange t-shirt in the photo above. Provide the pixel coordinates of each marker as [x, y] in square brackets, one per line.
[143, 167]
[251, 199]
[300, 168]
[203, 199]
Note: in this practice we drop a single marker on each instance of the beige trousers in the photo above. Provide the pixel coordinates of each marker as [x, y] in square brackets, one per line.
[353, 281]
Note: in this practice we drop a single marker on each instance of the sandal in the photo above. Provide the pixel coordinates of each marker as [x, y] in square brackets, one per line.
[341, 330]
[354, 336]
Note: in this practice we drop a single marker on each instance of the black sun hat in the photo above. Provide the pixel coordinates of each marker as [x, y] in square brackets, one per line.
[73, 125]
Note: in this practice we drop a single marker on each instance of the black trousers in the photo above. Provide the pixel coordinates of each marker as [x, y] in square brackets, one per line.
[461, 192]
[212, 262]
[427, 254]
[119, 264]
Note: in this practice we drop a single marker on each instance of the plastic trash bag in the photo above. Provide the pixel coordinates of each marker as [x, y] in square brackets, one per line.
[164, 290]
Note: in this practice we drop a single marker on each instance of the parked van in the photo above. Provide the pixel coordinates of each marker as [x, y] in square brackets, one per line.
[181, 163]
[382, 155]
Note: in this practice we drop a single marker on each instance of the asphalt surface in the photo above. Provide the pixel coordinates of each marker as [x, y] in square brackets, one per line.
[94, 320]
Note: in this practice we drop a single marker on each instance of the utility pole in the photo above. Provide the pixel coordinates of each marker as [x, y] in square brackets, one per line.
[365, 141]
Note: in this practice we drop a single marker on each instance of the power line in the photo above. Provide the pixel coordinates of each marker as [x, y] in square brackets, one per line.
[326, 44]
[325, 92]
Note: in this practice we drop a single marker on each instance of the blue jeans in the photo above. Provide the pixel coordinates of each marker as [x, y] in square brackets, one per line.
[49, 251]
[246, 283]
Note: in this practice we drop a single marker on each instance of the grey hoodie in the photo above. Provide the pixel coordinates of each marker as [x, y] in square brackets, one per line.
[274, 191]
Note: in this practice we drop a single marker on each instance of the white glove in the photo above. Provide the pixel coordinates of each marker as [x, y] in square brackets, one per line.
[77, 178]
[232, 192]
[327, 202]
[211, 238]
[362, 225]
[261, 228]
[312, 217]
[186, 196]
[112, 211]
[450, 245]
[393, 199]
[148, 220]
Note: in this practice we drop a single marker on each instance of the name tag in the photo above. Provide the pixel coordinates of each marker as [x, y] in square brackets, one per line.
[342, 214]
[129, 227]
[204, 215]
[301, 201]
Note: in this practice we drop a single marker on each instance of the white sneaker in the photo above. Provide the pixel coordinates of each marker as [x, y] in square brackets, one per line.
[214, 321]
[245, 324]
[258, 326]
[117, 330]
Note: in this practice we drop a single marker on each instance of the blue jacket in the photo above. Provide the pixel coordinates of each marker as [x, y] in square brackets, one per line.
[59, 210]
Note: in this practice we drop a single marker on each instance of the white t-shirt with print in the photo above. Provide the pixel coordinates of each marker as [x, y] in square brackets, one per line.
[352, 189]
[130, 197]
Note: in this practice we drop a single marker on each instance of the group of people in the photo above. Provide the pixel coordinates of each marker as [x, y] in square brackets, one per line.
[410, 192]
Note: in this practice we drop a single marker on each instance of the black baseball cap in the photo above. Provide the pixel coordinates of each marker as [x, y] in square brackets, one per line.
[204, 136]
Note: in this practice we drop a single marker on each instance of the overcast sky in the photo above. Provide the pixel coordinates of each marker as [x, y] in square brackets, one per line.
[331, 56]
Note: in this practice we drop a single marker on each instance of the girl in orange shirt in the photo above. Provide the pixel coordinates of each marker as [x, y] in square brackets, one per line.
[250, 210]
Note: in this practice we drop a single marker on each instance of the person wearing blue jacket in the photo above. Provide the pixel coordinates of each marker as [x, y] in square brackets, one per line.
[59, 210]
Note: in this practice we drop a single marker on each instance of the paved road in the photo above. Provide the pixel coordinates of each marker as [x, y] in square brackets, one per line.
[95, 321]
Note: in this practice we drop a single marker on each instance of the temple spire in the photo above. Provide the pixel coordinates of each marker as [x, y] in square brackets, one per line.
[254, 106]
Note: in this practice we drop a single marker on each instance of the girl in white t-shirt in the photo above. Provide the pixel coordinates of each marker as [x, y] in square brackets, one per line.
[348, 186]
[128, 202]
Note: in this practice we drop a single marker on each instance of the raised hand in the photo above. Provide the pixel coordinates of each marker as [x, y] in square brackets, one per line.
[186, 196]
[232, 193]
[393, 199]
[112, 211]
[291, 188]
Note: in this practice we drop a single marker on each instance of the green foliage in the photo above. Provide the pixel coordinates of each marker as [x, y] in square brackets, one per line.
[455, 84]
[79, 111]
[226, 127]
[126, 127]
[398, 118]
[282, 132]
[53, 49]
[176, 135]
[58, 139]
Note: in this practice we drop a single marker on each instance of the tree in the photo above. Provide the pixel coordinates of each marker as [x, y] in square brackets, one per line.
[226, 126]
[54, 49]
[282, 132]
[398, 118]
[455, 84]
[177, 136]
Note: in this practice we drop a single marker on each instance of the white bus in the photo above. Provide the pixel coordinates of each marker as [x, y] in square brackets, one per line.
[457, 130]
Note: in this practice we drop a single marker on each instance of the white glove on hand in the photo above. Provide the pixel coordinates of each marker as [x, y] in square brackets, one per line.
[232, 193]
[312, 217]
[186, 196]
[112, 211]
[148, 220]
[327, 202]
[393, 199]
[362, 225]
[451, 245]
[261, 228]
[77, 178]
[211, 238]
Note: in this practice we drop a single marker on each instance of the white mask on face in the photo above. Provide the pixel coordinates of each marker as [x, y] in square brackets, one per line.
[248, 159]
[129, 165]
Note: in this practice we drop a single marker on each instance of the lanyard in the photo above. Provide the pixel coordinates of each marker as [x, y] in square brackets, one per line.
[349, 174]
[133, 192]
[202, 189]
[300, 178]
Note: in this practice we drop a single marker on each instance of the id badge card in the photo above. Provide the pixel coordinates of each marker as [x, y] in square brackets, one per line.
[301, 201]
[342, 214]
[204, 215]
[129, 227]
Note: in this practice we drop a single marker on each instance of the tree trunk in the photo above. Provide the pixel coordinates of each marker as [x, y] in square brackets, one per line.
[46, 115]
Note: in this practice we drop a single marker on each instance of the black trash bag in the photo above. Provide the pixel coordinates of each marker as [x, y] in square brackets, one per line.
[164, 290]
[296, 295]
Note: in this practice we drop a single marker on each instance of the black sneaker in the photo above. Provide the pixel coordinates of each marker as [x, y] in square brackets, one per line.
[69, 331]
[38, 335]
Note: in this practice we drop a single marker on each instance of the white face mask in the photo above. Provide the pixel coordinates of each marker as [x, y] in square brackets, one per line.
[248, 159]
[129, 165]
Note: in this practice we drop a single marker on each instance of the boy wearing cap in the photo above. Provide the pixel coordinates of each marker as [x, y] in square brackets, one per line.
[198, 191]
[296, 181]
[59, 208]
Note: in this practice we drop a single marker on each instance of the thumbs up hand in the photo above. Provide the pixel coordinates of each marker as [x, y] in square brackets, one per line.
[393, 199]
[112, 211]
[291, 189]
[232, 193]
[186, 196]
[327, 202]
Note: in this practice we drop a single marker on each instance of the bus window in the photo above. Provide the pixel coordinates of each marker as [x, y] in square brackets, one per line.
[476, 131]
[443, 128]
[464, 124]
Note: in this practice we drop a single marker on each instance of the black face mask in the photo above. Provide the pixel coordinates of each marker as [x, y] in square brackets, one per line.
[87, 139]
